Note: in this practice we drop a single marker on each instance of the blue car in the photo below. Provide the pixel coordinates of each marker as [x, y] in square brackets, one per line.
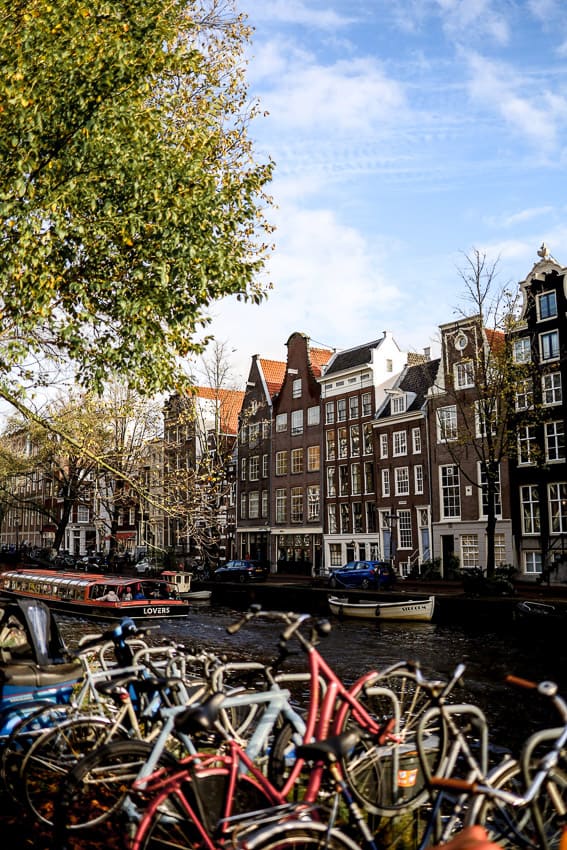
[241, 571]
[377, 575]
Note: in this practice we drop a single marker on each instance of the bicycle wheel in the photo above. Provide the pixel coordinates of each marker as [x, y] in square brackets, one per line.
[18, 743]
[527, 826]
[296, 835]
[387, 779]
[182, 818]
[53, 755]
[98, 784]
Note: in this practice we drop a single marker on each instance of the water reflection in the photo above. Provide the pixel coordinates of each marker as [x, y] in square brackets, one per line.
[354, 647]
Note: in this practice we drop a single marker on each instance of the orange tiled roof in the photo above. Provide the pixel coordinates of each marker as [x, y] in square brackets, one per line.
[319, 357]
[230, 405]
[274, 374]
[495, 339]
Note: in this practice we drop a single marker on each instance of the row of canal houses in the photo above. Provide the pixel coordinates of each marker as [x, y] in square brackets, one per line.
[349, 454]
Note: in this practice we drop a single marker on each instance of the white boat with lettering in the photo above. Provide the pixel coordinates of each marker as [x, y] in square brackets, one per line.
[104, 597]
[411, 610]
[179, 583]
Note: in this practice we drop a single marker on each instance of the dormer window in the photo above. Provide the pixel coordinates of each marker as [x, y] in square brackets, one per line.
[399, 403]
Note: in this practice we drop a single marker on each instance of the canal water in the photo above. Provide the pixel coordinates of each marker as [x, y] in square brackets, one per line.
[353, 647]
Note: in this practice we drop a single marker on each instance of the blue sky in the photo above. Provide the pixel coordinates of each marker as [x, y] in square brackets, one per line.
[404, 133]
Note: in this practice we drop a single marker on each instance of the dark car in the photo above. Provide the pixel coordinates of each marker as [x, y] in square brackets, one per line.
[365, 574]
[241, 571]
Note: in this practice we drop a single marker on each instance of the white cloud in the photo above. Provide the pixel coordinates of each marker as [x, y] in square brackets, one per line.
[520, 217]
[473, 17]
[296, 12]
[499, 87]
[344, 97]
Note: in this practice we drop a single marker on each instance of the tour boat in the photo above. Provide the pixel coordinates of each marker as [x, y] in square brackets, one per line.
[411, 610]
[179, 583]
[87, 594]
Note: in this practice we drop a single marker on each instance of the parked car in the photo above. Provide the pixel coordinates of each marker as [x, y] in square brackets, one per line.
[241, 571]
[146, 567]
[378, 575]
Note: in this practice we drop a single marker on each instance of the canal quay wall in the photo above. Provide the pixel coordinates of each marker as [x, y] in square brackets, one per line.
[452, 605]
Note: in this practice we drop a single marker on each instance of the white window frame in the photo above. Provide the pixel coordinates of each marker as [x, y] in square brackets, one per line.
[383, 445]
[463, 372]
[399, 443]
[398, 404]
[418, 479]
[447, 423]
[549, 352]
[385, 474]
[530, 509]
[313, 415]
[330, 413]
[522, 350]
[557, 500]
[554, 433]
[450, 491]
[551, 390]
[416, 440]
[296, 422]
[281, 463]
[313, 458]
[254, 468]
[281, 422]
[296, 388]
[401, 480]
[544, 297]
[297, 461]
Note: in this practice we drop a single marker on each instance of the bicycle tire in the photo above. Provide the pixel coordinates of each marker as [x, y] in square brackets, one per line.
[21, 738]
[295, 835]
[513, 827]
[369, 767]
[53, 755]
[98, 784]
[167, 823]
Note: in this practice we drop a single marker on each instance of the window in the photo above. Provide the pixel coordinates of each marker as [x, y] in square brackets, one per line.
[401, 474]
[485, 413]
[450, 492]
[341, 410]
[530, 509]
[499, 550]
[547, 305]
[371, 526]
[254, 505]
[254, 468]
[398, 403]
[551, 388]
[281, 505]
[447, 423]
[243, 505]
[266, 429]
[313, 415]
[549, 345]
[355, 440]
[404, 530]
[389, 365]
[355, 479]
[524, 395]
[357, 518]
[265, 466]
[343, 442]
[254, 434]
[281, 463]
[464, 374]
[383, 445]
[297, 422]
[366, 404]
[243, 469]
[343, 480]
[281, 422]
[469, 551]
[296, 461]
[554, 441]
[265, 497]
[296, 388]
[345, 518]
[353, 407]
[368, 477]
[385, 482]
[367, 438]
[331, 442]
[416, 440]
[335, 552]
[330, 412]
[484, 493]
[400, 443]
[332, 521]
[522, 350]
[313, 458]
[313, 503]
[532, 562]
[527, 446]
[558, 508]
[243, 435]
[83, 514]
[331, 485]
[418, 479]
